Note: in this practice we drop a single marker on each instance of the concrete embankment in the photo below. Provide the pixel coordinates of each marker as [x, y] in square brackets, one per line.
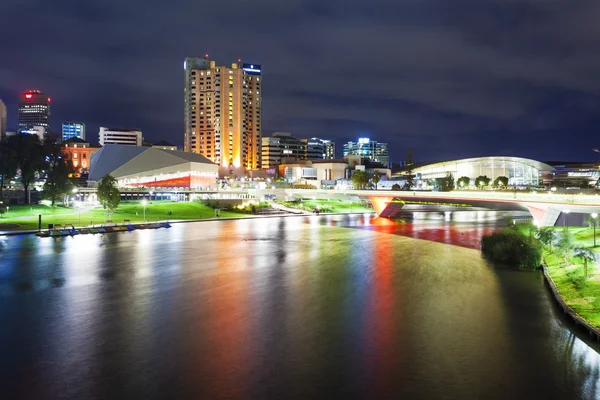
[562, 304]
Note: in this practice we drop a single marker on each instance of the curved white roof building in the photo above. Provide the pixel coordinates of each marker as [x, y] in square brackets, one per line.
[519, 171]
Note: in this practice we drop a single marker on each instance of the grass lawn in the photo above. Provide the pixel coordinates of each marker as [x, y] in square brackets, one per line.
[580, 293]
[326, 205]
[155, 211]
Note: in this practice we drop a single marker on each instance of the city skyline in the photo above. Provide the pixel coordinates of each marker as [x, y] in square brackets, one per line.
[452, 77]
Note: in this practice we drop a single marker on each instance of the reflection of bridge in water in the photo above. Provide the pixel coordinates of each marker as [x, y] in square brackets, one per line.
[547, 209]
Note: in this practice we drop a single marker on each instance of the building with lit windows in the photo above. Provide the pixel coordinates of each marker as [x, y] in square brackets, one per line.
[3, 116]
[319, 149]
[34, 110]
[223, 112]
[79, 154]
[73, 130]
[281, 145]
[132, 137]
[371, 149]
[149, 167]
[519, 171]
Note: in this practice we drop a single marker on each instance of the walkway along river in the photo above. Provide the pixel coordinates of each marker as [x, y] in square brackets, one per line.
[298, 307]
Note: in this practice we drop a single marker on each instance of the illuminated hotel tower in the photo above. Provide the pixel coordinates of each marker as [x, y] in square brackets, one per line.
[34, 110]
[223, 112]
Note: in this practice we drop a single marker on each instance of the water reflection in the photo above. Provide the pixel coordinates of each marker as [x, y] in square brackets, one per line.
[303, 307]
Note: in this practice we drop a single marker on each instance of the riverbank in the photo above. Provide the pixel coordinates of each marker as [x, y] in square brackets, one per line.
[224, 216]
[580, 293]
[25, 218]
[567, 309]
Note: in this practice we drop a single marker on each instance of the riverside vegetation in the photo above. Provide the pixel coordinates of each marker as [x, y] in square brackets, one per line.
[568, 254]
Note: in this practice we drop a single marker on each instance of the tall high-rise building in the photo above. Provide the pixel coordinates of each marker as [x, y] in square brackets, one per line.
[319, 149]
[223, 112]
[366, 148]
[34, 110]
[281, 145]
[3, 116]
[120, 136]
[73, 130]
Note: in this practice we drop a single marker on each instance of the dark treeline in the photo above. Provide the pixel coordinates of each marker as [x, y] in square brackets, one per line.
[27, 159]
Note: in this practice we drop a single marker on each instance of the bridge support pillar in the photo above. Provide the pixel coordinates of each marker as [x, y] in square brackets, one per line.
[544, 215]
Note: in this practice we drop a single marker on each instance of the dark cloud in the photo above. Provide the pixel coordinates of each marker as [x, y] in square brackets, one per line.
[448, 78]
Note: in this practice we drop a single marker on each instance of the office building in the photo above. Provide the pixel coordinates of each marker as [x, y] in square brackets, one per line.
[366, 148]
[319, 149]
[223, 112]
[34, 110]
[324, 172]
[131, 137]
[3, 116]
[73, 130]
[281, 145]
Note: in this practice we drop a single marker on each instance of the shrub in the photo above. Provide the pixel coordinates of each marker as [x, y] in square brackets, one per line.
[510, 246]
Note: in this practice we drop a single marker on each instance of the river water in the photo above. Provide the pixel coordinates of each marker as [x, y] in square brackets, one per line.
[299, 307]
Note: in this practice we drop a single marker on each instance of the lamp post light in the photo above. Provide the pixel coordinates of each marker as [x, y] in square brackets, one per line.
[144, 202]
[595, 220]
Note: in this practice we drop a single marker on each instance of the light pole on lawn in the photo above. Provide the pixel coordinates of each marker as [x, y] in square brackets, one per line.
[144, 202]
[595, 220]
[566, 212]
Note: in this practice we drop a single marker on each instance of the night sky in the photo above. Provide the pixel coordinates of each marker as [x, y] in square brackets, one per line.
[449, 78]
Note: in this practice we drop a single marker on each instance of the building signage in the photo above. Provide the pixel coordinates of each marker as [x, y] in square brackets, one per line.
[251, 69]
[584, 174]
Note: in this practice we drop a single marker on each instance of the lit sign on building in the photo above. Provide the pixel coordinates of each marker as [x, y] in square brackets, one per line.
[586, 174]
[251, 69]
[363, 140]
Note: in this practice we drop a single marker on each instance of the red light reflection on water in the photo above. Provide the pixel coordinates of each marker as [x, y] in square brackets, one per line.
[444, 232]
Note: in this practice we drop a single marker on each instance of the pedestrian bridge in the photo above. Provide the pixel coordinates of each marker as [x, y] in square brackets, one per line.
[545, 207]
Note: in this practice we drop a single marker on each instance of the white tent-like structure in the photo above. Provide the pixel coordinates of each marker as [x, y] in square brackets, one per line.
[137, 166]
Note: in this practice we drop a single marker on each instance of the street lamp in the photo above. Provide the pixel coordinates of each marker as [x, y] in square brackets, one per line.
[594, 219]
[144, 202]
[79, 211]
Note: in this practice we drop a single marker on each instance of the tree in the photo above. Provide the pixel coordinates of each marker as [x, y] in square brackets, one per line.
[482, 181]
[360, 179]
[8, 165]
[29, 155]
[565, 245]
[108, 193]
[591, 221]
[463, 181]
[447, 182]
[396, 187]
[547, 236]
[375, 178]
[586, 255]
[58, 182]
[501, 182]
[409, 170]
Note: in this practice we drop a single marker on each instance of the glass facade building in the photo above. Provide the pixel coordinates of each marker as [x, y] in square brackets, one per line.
[72, 130]
[280, 145]
[319, 149]
[519, 171]
[367, 148]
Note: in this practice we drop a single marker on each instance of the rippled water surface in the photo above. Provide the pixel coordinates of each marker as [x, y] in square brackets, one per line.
[301, 307]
